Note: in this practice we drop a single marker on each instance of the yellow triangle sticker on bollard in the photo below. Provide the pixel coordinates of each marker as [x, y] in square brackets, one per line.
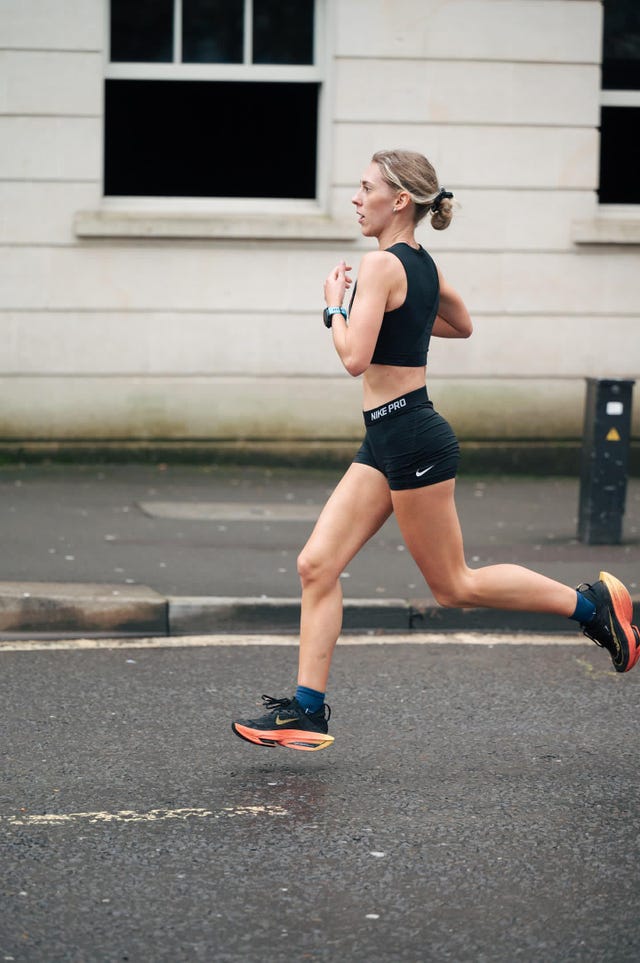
[613, 435]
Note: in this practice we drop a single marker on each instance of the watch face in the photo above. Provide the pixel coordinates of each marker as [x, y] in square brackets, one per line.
[328, 314]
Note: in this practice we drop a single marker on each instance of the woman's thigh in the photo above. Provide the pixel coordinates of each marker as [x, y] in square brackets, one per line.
[357, 508]
[429, 523]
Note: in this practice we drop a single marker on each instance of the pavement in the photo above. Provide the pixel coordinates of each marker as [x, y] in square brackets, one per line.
[102, 551]
[479, 805]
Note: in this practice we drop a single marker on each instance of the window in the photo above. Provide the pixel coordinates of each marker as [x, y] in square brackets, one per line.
[620, 104]
[213, 98]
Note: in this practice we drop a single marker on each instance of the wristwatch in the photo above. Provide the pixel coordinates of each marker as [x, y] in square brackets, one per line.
[328, 313]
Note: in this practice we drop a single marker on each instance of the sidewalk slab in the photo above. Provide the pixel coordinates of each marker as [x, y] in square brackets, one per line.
[49, 609]
[193, 549]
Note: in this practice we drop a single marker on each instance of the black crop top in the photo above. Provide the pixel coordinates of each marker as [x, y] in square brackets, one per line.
[406, 331]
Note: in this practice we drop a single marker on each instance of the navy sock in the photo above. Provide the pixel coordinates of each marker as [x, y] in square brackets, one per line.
[310, 699]
[585, 610]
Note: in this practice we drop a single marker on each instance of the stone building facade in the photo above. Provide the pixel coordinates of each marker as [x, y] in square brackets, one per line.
[153, 318]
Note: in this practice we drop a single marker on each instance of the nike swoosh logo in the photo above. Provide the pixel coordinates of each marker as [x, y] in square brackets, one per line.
[282, 722]
[616, 641]
[424, 471]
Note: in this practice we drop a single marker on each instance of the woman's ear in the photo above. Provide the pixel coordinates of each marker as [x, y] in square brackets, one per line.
[401, 202]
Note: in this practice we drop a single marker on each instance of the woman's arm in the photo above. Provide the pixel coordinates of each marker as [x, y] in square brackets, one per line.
[355, 342]
[453, 319]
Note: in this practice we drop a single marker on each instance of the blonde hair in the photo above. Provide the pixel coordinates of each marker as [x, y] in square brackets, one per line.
[407, 170]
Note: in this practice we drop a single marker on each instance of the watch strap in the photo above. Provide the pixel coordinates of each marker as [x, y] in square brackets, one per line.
[328, 314]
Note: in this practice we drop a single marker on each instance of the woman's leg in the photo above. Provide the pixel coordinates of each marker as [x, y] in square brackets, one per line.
[360, 504]
[429, 524]
[357, 508]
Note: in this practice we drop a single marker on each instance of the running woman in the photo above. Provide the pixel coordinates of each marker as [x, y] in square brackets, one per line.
[408, 461]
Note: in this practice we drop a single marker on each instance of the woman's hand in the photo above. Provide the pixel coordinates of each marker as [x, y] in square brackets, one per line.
[355, 342]
[337, 283]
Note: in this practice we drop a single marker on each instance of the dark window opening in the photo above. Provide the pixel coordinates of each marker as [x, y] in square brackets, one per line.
[621, 45]
[619, 155]
[168, 138]
[213, 31]
[142, 31]
[283, 31]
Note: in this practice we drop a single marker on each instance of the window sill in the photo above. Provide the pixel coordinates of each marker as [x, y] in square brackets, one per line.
[614, 227]
[190, 225]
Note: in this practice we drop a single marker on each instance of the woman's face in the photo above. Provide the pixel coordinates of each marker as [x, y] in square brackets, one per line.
[374, 201]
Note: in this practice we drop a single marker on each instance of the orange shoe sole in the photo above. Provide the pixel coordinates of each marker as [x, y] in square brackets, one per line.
[300, 739]
[623, 611]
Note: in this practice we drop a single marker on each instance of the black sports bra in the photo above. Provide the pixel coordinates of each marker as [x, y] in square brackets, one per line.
[406, 331]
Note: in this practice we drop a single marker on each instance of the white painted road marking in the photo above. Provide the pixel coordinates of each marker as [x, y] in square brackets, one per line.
[211, 641]
[133, 816]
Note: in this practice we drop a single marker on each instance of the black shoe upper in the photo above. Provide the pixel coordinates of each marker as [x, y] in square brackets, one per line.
[290, 714]
[600, 629]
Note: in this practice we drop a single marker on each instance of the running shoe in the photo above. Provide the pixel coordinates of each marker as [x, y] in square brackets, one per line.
[286, 724]
[611, 626]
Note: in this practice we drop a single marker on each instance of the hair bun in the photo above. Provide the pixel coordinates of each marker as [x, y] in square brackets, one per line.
[440, 196]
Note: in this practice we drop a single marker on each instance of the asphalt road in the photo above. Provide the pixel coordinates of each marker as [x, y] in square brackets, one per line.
[480, 803]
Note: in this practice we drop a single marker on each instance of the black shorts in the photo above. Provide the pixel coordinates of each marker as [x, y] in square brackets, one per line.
[410, 443]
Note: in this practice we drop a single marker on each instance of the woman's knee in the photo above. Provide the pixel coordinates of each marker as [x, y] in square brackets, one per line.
[454, 594]
[315, 568]
[446, 596]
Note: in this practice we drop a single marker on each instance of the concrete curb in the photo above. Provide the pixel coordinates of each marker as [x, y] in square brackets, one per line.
[199, 616]
[57, 610]
[50, 610]
[551, 457]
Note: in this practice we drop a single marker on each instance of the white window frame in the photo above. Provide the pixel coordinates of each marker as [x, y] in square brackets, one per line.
[221, 216]
[177, 70]
[614, 223]
[620, 98]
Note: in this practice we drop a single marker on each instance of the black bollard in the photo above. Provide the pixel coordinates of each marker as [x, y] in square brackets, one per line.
[605, 460]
